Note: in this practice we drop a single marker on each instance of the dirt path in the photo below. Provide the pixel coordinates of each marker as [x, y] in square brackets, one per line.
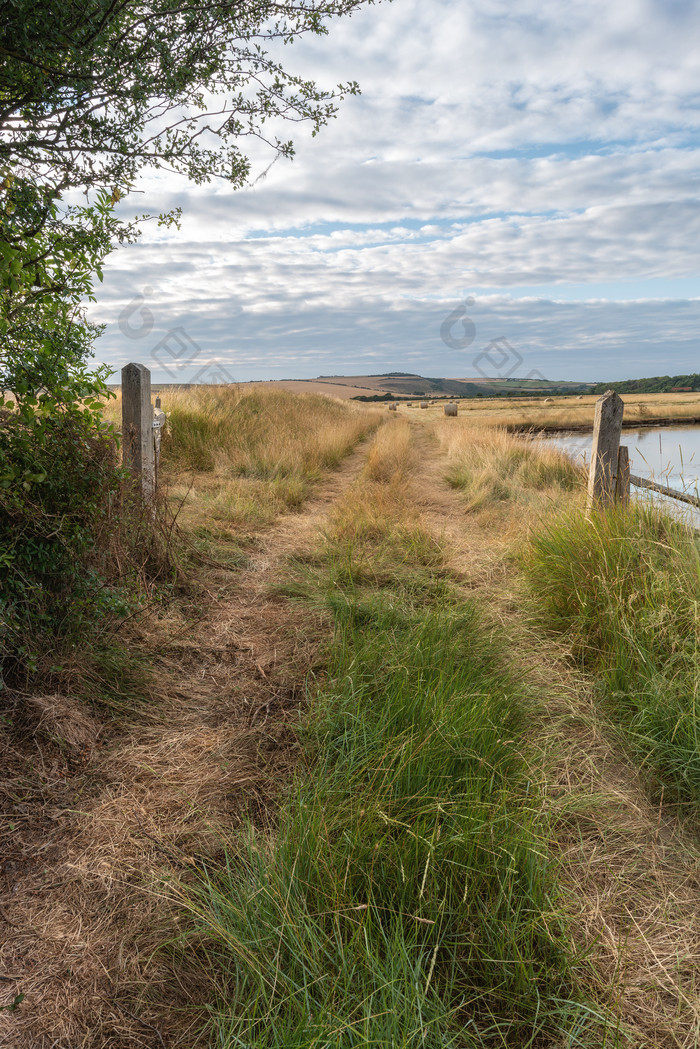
[91, 819]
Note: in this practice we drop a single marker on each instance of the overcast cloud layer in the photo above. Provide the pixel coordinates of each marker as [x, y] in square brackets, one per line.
[532, 166]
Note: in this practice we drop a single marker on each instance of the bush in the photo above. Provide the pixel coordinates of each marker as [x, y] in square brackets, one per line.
[75, 538]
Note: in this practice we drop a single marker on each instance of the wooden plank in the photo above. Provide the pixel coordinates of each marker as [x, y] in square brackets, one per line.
[137, 427]
[607, 427]
[672, 493]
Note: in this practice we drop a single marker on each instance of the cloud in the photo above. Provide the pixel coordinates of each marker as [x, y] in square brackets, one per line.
[497, 147]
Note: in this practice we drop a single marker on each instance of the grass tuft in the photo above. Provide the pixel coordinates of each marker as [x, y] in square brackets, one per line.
[243, 457]
[493, 467]
[624, 588]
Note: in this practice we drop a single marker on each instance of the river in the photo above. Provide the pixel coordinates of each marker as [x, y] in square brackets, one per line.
[667, 454]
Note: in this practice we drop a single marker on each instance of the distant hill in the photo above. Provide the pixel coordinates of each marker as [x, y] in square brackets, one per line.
[406, 386]
[398, 385]
[656, 384]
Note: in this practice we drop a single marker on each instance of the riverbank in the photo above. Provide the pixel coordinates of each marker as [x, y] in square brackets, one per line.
[649, 423]
[556, 414]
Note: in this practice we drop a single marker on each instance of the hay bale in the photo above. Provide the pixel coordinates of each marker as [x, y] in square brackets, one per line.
[392, 407]
[450, 409]
[580, 397]
[409, 404]
[423, 404]
[548, 400]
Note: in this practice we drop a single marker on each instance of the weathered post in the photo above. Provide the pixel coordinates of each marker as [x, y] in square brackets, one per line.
[607, 427]
[137, 427]
[622, 487]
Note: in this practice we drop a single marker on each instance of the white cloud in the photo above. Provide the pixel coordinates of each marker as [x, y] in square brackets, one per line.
[497, 146]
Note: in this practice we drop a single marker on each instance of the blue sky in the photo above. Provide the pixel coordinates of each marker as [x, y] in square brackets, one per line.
[541, 159]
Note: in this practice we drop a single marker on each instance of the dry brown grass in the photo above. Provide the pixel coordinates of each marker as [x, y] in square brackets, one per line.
[235, 458]
[532, 413]
[631, 868]
[99, 813]
[508, 481]
[99, 810]
[379, 518]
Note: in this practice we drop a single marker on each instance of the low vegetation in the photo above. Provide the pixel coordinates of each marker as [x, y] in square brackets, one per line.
[408, 896]
[552, 413]
[624, 589]
[344, 800]
[236, 459]
[77, 550]
[493, 466]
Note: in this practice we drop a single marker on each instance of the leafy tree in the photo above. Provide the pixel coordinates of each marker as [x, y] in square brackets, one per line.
[91, 93]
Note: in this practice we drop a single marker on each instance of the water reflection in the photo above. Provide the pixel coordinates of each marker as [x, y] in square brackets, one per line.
[667, 454]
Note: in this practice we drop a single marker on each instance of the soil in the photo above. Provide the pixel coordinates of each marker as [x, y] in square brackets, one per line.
[95, 812]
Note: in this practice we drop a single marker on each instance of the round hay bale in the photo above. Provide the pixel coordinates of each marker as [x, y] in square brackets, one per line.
[423, 404]
[580, 397]
[392, 407]
[450, 409]
[548, 400]
[409, 404]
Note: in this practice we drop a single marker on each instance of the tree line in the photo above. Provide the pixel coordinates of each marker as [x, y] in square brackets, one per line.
[656, 384]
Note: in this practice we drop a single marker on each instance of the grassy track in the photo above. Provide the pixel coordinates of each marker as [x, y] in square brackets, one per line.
[408, 897]
[239, 458]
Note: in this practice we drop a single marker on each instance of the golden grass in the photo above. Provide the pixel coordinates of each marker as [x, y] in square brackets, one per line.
[525, 413]
[378, 518]
[239, 456]
[501, 474]
[202, 755]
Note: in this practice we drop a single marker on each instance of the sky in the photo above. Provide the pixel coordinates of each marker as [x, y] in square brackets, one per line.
[514, 193]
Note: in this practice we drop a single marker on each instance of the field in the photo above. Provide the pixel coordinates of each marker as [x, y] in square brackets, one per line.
[566, 413]
[403, 754]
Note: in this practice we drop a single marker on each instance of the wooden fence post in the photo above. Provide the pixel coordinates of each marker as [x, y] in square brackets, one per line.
[137, 427]
[607, 427]
[622, 486]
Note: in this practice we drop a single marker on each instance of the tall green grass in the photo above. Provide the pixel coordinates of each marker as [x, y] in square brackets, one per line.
[491, 466]
[407, 898]
[624, 589]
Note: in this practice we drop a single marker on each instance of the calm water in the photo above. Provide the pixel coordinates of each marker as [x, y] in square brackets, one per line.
[668, 454]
